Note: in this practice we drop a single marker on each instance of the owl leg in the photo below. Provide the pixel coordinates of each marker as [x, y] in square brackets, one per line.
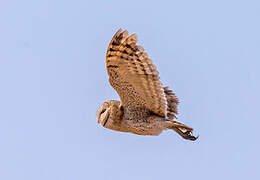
[183, 130]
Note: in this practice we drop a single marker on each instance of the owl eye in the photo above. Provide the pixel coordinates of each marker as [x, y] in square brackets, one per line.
[104, 110]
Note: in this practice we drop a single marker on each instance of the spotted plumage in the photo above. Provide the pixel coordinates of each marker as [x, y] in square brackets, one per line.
[145, 106]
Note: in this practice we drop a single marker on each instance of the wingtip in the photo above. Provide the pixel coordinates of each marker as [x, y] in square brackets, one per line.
[117, 33]
[120, 35]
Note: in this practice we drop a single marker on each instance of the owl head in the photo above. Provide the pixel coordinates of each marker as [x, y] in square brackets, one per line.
[108, 112]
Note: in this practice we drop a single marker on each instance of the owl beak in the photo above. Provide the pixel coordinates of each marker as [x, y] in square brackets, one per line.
[98, 120]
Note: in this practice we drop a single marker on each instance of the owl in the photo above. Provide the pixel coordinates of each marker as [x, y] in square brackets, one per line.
[146, 107]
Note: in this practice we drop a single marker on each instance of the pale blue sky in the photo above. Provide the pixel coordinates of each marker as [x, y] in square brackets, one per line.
[53, 79]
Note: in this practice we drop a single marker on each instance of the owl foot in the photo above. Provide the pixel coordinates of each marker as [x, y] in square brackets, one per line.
[184, 133]
[188, 135]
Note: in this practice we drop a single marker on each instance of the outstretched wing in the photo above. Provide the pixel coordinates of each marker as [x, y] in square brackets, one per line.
[133, 75]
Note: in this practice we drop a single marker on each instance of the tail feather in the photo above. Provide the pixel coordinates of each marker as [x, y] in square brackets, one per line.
[172, 103]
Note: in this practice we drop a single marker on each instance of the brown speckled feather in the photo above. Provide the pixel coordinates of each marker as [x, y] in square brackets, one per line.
[135, 78]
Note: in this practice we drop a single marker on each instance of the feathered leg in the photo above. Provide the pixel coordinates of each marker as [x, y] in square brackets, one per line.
[183, 130]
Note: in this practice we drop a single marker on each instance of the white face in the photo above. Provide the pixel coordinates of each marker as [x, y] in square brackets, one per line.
[103, 114]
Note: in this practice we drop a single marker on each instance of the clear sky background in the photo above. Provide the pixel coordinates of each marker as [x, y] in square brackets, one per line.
[53, 79]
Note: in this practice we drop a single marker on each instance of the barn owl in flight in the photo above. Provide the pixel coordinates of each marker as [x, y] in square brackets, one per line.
[145, 106]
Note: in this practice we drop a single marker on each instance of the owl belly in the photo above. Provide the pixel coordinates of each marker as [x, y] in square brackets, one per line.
[152, 125]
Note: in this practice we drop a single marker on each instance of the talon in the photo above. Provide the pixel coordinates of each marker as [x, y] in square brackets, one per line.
[186, 134]
[190, 136]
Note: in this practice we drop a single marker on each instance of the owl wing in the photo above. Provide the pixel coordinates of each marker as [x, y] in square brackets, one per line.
[133, 75]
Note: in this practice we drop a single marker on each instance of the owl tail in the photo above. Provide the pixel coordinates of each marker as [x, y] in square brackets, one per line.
[183, 130]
